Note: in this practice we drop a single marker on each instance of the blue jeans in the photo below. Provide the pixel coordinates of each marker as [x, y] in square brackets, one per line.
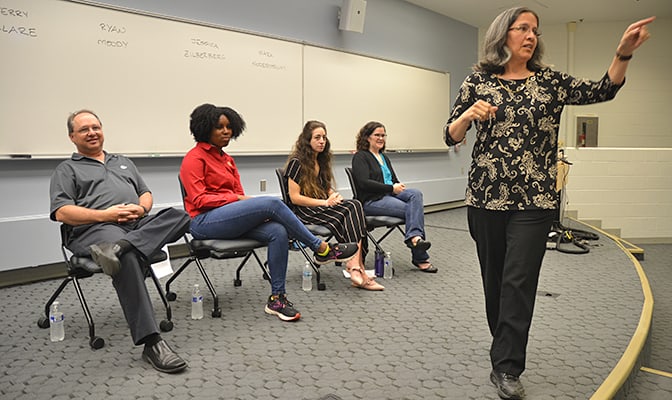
[408, 205]
[266, 219]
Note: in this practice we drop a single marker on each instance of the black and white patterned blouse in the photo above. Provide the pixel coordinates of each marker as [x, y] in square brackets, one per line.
[514, 156]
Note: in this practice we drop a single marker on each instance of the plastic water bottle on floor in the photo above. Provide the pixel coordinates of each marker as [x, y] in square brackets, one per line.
[196, 303]
[307, 283]
[56, 318]
[388, 271]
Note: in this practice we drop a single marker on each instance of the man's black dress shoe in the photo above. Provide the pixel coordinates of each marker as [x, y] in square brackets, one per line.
[508, 386]
[106, 256]
[163, 358]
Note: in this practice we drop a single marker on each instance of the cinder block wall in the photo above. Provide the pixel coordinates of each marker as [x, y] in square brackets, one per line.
[630, 189]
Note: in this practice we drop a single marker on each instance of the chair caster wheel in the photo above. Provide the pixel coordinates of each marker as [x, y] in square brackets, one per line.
[43, 322]
[321, 286]
[96, 342]
[166, 326]
[237, 282]
[171, 296]
[217, 313]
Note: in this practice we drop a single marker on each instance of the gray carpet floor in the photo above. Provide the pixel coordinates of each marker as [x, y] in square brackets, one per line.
[424, 337]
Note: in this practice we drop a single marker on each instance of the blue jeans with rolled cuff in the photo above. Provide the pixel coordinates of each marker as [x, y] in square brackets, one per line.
[409, 205]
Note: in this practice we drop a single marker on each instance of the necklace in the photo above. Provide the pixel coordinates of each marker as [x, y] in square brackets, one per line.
[518, 89]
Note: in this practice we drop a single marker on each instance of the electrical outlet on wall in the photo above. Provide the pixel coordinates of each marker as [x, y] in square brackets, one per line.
[262, 185]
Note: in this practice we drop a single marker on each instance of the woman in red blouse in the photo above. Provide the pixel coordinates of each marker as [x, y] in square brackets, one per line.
[219, 208]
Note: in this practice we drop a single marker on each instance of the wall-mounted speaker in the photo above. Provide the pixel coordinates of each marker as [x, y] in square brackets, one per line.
[352, 15]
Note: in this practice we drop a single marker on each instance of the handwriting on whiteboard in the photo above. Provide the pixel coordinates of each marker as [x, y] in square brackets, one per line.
[112, 28]
[12, 29]
[266, 55]
[200, 54]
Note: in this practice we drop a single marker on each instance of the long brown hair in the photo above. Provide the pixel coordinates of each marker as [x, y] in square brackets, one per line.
[313, 185]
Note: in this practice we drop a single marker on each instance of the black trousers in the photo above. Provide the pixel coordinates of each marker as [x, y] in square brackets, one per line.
[148, 235]
[511, 247]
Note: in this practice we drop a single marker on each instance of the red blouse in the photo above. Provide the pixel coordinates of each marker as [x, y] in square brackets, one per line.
[210, 178]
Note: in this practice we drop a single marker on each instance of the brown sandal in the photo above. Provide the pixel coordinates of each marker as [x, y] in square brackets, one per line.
[364, 282]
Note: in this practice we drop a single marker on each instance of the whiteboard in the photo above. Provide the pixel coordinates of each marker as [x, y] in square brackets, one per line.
[345, 91]
[143, 75]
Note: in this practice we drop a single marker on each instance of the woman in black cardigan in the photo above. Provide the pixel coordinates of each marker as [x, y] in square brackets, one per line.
[381, 193]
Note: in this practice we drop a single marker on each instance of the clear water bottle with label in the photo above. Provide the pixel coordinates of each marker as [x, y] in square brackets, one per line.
[307, 283]
[56, 320]
[196, 303]
[388, 270]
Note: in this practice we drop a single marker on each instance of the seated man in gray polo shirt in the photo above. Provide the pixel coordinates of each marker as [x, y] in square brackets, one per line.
[105, 203]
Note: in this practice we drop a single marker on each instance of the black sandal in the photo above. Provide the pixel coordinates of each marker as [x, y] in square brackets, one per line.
[431, 269]
[421, 244]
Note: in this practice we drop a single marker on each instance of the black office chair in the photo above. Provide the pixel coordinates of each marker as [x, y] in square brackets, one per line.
[219, 249]
[80, 267]
[377, 221]
[317, 230]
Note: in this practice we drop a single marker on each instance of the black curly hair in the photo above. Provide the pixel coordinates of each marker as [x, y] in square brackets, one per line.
[205, 118]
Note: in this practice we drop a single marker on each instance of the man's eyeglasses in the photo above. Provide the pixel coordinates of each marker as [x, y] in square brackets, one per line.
[85, 129]
[525, 29]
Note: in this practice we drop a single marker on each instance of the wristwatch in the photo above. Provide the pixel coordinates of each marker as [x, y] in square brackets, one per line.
[622, 57]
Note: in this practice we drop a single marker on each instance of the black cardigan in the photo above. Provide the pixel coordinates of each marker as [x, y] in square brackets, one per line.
[368, 176]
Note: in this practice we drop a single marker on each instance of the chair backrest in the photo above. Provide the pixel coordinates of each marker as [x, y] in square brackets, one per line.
[284, 186]
[183, 191]
[318, 230]
[80, 266]
[351, 179]
[376, 221]
[83, 266]
[218, 248]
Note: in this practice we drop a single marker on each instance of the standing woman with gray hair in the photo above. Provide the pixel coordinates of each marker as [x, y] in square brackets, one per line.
[515, 102]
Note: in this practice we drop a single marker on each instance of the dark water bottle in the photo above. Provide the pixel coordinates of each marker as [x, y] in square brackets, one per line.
[379, 266]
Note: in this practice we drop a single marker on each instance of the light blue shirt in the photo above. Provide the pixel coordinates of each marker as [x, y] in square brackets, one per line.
[387, 175]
